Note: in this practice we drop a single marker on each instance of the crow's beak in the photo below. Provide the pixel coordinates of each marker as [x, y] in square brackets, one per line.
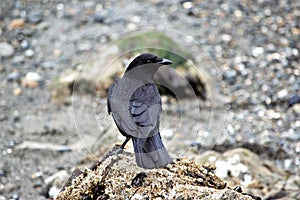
[165, 62]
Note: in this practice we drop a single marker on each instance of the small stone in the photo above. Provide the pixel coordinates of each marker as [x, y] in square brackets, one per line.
[296, 31]
[273, 115]
[238, 13]
[282, 93]
[43, 26]
[18, 59]
[6, 49]
[57, 52]
[24, 44]
[99, 18]
[35, 17]
[226, 37]
[53, 192]
[167, 133]
[2, 172]
[295, 99]
[131, 26]
[17, 91]
[14, 76]
[29, 53]
[187, 5]
[229, 76]
[257, 51]
[48, 65]
[31, 80]
[33, 76]
[16, 23]
[84, 46]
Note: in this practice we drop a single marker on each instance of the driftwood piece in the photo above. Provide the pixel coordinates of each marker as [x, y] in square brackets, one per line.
[117, 176]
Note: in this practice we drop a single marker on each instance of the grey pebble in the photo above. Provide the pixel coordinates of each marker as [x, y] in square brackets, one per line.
[29, 53]
[13, 76]
[6, 49]
[229, 76]
[49, 65]
[35, 17]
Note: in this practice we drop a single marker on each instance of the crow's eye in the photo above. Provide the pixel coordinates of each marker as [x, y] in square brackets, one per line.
[148, 61]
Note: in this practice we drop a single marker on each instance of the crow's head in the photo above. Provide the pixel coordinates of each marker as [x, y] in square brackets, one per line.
[148, 61]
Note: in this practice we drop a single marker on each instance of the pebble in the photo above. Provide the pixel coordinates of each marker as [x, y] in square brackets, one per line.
[16, 23]
[6, 49]
[282, 93]
[24, 44]
[187, 5]
[31, 80]
[18, 59]
[35, 17]
[99, 18]
[17, 91]
[167, 133]
[2, 197]
[226, 37]
[229, 76]
[295, 99]
[257, 51]
[273, 115]
[33, 76]
[48, 65]
[13, 76]
[84, 46]
[29, 53]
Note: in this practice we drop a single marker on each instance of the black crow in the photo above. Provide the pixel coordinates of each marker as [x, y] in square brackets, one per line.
[135, 105]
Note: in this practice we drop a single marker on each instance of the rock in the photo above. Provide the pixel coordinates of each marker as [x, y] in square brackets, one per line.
[295, 99]
[257, 51]
[84, 46]
[117, 176]
[296, 31]
[17, 91]
[49, 65]
[33, 76]
[55, 182]
[99, 18]
[167, 133]
[2, 197]
[229, 76]
[16, 23]
[13, 76]
[24, 44]
[29, 53]
[31, 80]
[282, 93]
[61, 87]
[244, 168]
[6, 49]
[272, 114]
[35, 17]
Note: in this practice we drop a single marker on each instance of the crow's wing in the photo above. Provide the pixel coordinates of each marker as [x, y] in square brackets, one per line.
[135, 107]
[145, 106]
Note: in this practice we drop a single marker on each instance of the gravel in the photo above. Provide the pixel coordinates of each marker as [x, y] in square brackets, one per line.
[254, 46]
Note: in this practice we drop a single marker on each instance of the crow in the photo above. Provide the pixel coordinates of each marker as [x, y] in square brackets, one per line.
[135, 105]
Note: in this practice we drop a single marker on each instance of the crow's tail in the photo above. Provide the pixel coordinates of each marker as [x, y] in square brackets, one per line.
[150, 152]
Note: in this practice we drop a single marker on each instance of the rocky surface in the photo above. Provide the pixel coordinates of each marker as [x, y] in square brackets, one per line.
[117, 176]
[250, 48]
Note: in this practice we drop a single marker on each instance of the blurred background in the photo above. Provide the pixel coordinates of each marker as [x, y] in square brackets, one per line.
[241, 58]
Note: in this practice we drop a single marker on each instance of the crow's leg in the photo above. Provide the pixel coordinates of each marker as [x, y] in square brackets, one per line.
[125, 142]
